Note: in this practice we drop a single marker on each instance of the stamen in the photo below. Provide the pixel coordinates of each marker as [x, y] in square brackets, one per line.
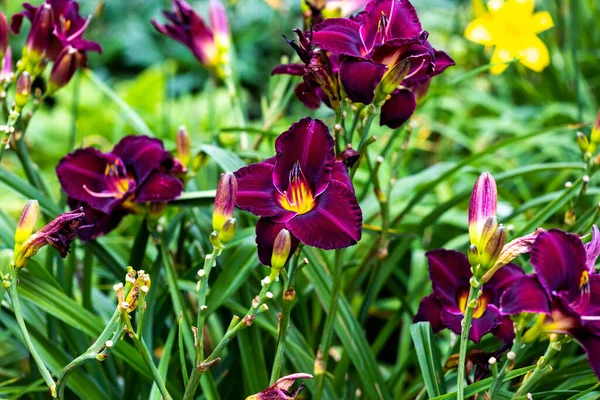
[81, 30]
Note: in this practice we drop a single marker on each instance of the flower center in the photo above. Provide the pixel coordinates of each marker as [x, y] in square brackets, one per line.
[116, 186]
[482, 303]
[298, 197]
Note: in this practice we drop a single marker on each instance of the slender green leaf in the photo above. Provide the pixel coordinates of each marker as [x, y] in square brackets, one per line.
[428, 355]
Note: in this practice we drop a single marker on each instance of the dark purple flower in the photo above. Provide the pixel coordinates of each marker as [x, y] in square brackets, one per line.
[55, 26]
[110, 185]
[450, 273]
[3, 35]
[564, 288]
[302, 189]
[280, 390]
[188, 28]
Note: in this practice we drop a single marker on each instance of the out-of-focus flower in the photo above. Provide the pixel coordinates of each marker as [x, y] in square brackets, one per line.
[6, 74]
[450, 275]
[565, 289]
[55, 25]
[224, 200]
[3, 35]
[512, 27]
[302, 189]
[280, 390]
[111, 185]
[58, 233]
[23, 91]
[315, 11]
[66, 64]
[183, 146]
[209, 45]
[368, 48]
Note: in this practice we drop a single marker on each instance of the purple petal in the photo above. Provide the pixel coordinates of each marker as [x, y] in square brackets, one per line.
[340, 173]
[398, 109]
[257, 194]
[505, 331]
[590, 341]
[360, 78]
[502, 280]
[526, 295]
[266, 232]
[289, 69]
[442, 61]
[450, 272]
[339, 35]
[141, 154]
[82, 173]
[403, 21]
[490, 319]
[159, 187]
[559, 259]
[334, 223]
[308, 95]
[96, 223]
[592, 249]
[430, 310]
[309, 143]
[202, 42]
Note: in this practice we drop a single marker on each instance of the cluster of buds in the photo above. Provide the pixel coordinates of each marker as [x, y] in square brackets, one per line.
[132, 295]
[224, 225]
[58, 233]
[589, 146]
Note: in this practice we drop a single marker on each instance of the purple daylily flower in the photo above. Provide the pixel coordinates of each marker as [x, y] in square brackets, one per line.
[302, 189]
[564, 287]
[111, 185]
[188, 28]
[366, 48]
[450, 273]
[55, 25]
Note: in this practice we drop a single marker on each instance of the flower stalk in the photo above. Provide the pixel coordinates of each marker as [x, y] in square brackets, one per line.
[472, 301]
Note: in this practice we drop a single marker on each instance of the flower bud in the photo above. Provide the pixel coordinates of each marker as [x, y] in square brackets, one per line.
[582, 142]
[493, 248]
[39, 35]
[391, 79]
[219, 24]
[183, 145]
[228, 231]
[26, 223]
[214, 239]
[23, 90]
[473, 255]
[3, 35]
[281, 252]
[6, 74]
[64, 68]
[224, 200]
[483, 205]
[487, 231]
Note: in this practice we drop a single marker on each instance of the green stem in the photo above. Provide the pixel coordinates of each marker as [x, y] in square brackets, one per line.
[97, 351]
[145, 353]
[236, 103]
[13, 117]
[507, 366]
[542, 369]
[14, 297]
[235, 326]
[338, 270]
[288, 299]
[464, 341]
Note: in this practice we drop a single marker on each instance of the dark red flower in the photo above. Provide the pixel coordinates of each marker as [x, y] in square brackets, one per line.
[565, 287]
[303, 189]
[110, 185]
[450, 273]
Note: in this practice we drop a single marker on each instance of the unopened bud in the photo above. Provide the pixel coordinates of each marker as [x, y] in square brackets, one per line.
[489, 227]
[3, 35]
[214, 239]
[184, 146]
[281, 252]
[228, 231]
[595, 136]
[224, 200]
[582, 142]
[23, 90]
[484, 199]
[391, 79]
[493, 247]
[473, 255]
[39, 35]
[26, 223]
[64, 68]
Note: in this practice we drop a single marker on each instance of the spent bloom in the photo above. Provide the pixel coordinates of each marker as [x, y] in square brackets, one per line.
[58, 233]
[512, 28]
[450, 274]
[55, 26]
[380, 54]
[302, 189]
[208, 44]
[108, 186]
[564, 290]
[280, 390]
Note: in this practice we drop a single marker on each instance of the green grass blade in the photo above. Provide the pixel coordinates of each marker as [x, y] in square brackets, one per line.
[428, 355]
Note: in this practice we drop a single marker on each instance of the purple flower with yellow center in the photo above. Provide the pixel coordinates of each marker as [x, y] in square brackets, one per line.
[55, 25]
[450, 273]
[187, 27]
[565, 289]
[302, 189]
[111, 185]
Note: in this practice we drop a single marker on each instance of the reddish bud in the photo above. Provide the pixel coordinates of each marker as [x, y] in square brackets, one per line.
[483, 205]
[23, 91]
[224, 200]
[64, 68]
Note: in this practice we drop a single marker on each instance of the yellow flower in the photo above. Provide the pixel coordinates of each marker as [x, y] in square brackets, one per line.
[512, 27]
